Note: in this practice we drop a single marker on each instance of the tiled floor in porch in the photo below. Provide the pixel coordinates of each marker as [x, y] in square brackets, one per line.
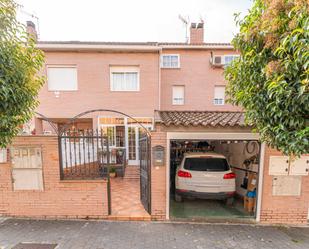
[126, 204]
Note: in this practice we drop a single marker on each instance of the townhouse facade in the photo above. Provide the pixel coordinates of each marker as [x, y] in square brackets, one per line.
[134, 78]
[174, 91]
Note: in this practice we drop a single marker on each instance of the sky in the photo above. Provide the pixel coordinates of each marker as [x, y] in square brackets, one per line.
[131, 20]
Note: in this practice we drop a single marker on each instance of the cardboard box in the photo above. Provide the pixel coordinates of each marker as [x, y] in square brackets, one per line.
[249, 204]
[252, 181]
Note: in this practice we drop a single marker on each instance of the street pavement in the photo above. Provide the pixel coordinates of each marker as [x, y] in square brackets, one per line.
[148, 235]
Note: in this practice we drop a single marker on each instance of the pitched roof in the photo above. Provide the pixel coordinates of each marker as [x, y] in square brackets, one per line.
[137, 43]
[155, 46]
[99, 43]
[203, 118]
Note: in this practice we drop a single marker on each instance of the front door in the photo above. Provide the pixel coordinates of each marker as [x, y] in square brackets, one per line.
[133, 145]
[134, 135]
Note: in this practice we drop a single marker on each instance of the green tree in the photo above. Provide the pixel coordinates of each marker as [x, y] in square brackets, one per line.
[20, 81]
[270, 79]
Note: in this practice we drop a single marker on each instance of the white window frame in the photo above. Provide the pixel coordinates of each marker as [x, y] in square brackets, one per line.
[184, 94]
[62, 66]
[229, 55]
[161, 61]
[99, 125]
[126, 125]
[124, 69]
[217, 101]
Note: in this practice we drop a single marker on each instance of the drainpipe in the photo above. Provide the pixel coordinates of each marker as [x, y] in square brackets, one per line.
[159, 64]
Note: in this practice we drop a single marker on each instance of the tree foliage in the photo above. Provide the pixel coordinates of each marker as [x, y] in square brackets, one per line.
[20, 63]
[270, 79]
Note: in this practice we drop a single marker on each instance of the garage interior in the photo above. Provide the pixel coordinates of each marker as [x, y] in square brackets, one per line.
[243, 157]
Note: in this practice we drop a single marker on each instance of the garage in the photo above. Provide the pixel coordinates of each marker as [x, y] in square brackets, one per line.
[214, 167]
[221, 179]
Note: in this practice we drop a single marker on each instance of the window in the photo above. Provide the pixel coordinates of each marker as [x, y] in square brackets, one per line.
[113, 128]
[219, 95]
[170, 61]
[206, 164]
[110, 132]
[62, 78]
[124, 79]
[229, 58]
[27, 168]
[178, 95]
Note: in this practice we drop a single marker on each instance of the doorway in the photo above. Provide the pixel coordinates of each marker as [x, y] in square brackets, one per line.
[243, 154]
[125, 133]
[133, 145]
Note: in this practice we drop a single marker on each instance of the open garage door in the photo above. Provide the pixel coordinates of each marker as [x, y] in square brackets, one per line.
[214, 179]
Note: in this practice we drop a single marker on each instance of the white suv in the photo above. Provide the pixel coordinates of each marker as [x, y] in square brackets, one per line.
[205, 176]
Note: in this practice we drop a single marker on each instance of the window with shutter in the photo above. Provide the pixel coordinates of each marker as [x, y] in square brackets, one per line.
[124, 79]
[219, 95]
[62, 78]
[178, 95]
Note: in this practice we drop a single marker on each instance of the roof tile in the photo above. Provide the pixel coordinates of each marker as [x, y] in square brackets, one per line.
[203, 118]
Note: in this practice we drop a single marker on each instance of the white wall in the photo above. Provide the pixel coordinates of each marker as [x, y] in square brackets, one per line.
[236, 154]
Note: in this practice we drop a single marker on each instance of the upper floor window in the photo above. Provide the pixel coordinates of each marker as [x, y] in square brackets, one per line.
[170, 61]
[62, 78]
[229, 58]
[178, 95]
[124, 79]
[219, 95]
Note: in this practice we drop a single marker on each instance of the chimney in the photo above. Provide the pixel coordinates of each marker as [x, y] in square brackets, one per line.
[197, 33]
[31, 30]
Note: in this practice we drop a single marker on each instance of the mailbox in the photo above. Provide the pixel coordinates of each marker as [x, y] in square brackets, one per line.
[158, 155]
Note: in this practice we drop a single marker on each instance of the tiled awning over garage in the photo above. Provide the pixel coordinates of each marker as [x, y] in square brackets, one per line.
[201, 118]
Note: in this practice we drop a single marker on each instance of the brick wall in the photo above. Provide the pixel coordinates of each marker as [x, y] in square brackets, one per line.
[59, 199]
[93, 72]
[196, 35]
[283, 209]
[199, 83]
[158, 179]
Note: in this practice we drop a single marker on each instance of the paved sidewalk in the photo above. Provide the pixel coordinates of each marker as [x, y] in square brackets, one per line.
[147, 235]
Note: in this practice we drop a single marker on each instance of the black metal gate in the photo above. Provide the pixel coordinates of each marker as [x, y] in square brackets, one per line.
[83, 154]
[145, 170]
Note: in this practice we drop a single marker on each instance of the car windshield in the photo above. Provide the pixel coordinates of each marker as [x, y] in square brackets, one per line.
[206, 164]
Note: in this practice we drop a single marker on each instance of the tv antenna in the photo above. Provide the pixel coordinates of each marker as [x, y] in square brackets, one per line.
[185, 22]
[32, 15]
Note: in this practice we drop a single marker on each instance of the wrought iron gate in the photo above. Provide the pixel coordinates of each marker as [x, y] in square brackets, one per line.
[83, 154]
[145, 171]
